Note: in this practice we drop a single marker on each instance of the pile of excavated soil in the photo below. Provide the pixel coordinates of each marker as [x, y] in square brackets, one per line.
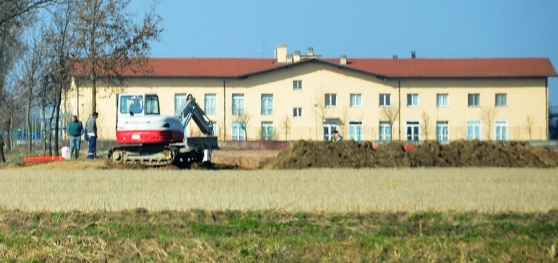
[350, 154]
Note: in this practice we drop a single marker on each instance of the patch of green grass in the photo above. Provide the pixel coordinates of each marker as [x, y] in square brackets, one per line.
[268, 236]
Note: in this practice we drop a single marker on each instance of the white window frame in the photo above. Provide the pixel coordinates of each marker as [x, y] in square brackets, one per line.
[355, 100]
[237, 103]
[297, 112]
[328, 127]
[473, 130]
[330, 100]
[267, 104]
[179, 98]
[210, 103]
[385, 100]
[501, 130]
[442, 100]
[442, 131]
[215, 128]
[238, 131]
[385, 131]
[267, 131]
[412, 100]
[297, 84]
[414, 135]
[501, 99]
[356, 131]
[473, 100]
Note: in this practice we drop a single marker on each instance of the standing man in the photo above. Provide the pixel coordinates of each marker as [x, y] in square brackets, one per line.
[91, 127]
[75, 130]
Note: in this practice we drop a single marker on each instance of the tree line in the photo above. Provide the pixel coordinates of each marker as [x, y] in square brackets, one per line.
[46, 43]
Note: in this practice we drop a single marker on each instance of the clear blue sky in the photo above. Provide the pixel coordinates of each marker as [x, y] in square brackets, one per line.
[361, 28]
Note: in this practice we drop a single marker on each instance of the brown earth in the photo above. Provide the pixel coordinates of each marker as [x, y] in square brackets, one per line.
[350, 154]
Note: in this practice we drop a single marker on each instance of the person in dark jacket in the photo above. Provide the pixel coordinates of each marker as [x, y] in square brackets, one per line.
[91, 127]
[75, 130]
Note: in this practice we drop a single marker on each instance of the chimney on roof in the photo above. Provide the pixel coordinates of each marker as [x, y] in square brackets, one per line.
[309, 51]
[296, 57]
[413, 54]
[289, 58]
[343, 60]
[281, 53]
[394, 56]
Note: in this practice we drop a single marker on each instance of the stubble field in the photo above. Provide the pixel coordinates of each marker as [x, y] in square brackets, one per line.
[75, 211]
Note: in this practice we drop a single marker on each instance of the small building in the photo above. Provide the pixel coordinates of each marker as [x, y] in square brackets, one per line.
[297, 96]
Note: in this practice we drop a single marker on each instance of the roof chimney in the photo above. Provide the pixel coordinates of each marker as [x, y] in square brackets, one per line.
[309, 51]
[413, 54]
[394, 56]
[296, 57]
[343, 60]
[281, 53]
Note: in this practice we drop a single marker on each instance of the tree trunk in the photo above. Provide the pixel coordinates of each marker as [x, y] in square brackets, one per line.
[29, 127]
[2, 159]
[57, 118]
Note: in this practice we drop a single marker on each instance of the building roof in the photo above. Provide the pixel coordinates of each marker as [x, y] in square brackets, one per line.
[387, 68]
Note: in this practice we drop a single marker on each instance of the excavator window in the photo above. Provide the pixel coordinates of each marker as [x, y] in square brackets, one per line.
[152, 104]
[132, 104]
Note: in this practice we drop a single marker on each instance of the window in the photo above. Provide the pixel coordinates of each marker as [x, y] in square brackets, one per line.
[152, 104]
[442, 100]
[267, 131]
[238, 104]
[474, 130]
[473, 100]
[385, 100]
[179, 99]
[238, 132]
[385, 131]
[413, 131]
[131, 104]
[356, 100]
[355, 131]
[442, 131]
[330, 100]
[267, 104]
[501, 99]
[412, 100]
[297, 112]
[329, 127]
[297, 84]
[210, 103]
[501, 130]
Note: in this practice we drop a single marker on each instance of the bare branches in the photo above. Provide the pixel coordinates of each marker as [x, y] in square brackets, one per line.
[12, 9]
[110, 42]
[390, 114]
[487, 116]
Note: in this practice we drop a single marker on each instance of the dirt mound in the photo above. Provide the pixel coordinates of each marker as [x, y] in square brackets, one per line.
[350, 154]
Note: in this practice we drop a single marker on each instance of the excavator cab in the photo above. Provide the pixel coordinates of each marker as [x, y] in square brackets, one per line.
[138, 104]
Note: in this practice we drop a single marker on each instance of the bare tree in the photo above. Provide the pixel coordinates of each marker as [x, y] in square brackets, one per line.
[286, 124]
[425, 124]
[390, 114]
[487, 116]
[111, 42]
[59, 37]
[529, 120]
[243, 120]
[32, 68]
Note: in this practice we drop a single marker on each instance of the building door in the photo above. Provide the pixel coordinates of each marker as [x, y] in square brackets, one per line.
[413, 131]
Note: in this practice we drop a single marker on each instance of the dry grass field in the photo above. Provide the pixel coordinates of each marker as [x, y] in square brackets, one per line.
[90, 211]
[487, 190]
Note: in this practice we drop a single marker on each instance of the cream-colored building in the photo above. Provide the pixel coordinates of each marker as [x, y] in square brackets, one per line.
[295, 96]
